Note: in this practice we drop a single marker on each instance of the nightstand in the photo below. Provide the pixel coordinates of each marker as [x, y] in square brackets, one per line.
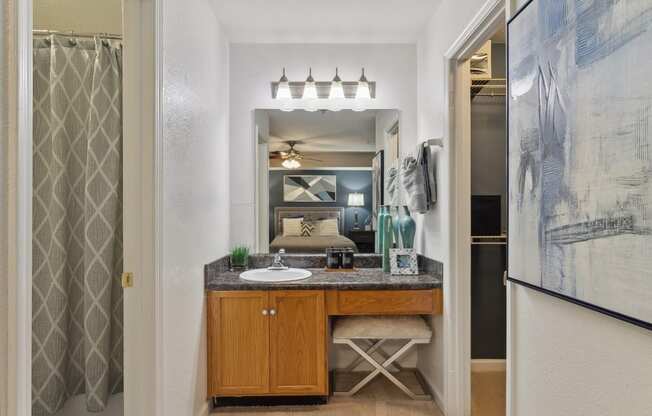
[365, 240]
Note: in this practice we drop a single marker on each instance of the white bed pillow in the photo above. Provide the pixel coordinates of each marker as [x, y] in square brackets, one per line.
[292, 227]
[328, 228]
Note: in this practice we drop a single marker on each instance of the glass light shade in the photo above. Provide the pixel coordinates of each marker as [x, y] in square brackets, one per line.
[311, 105]
[361, 104]
[286, 105]
[291, 164]
[283, 92]
[356, 199]
[310, 91]
[336, 95]
[284, 96]
[363, 92]
[310, 96]
[337, 91]
[335, 104]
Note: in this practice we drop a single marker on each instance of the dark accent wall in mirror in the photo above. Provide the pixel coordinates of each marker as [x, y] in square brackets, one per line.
[348, 181]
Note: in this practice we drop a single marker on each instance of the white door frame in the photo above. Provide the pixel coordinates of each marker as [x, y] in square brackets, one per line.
[457, 118]
[142, 193]
[19, 204]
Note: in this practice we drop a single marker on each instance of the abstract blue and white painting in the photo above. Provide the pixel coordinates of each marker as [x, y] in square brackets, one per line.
[580, 155]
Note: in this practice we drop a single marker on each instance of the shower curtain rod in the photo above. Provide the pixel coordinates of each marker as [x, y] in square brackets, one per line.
[43, 32]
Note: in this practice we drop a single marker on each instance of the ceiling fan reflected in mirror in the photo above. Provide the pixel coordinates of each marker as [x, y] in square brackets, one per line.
[291, 158]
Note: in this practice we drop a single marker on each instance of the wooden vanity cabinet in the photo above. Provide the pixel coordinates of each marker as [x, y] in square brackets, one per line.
[238, 343]
[267, 343]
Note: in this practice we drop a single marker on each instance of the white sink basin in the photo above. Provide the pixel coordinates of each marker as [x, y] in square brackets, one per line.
[272, 276]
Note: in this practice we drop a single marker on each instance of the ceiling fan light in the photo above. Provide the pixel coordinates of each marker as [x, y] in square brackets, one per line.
[291, 164]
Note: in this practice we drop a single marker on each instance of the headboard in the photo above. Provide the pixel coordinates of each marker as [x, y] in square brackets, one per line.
[309, 214]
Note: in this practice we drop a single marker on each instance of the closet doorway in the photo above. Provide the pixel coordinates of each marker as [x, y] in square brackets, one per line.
[488, 227]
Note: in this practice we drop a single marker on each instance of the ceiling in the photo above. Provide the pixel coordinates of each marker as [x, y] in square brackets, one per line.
[333, 21]
[323, 131]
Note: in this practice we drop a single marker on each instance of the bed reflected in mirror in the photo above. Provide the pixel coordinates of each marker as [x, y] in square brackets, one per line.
[321, 178]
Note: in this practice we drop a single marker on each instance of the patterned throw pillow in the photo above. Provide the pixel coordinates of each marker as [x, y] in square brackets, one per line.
[307, 228]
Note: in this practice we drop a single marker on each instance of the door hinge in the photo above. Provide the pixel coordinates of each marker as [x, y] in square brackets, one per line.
[505, 278]
[127, 279]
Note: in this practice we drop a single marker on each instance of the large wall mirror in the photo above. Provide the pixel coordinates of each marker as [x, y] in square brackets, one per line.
[321, 178]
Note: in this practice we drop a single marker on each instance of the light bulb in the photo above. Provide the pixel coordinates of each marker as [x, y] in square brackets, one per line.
[310, 93]
[336, 95]
[362, 94]
[283, 93]
[310, 89]
[337, 90]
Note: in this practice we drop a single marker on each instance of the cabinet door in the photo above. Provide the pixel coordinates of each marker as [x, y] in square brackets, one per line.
[298, 343]
[238, 343]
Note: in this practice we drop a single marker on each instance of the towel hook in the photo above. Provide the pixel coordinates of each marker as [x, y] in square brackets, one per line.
[434, 142]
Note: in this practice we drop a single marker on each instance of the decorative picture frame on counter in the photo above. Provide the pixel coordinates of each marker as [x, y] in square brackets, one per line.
[403, 261]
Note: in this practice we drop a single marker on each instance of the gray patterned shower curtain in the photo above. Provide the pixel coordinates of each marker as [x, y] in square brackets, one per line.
[77, 223]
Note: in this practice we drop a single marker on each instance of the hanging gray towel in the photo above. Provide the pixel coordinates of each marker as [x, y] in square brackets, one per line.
[430, 174]
[414, 183]
[392, 186]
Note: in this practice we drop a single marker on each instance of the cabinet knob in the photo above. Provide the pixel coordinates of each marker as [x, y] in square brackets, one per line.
[265, 312]
[272, 312]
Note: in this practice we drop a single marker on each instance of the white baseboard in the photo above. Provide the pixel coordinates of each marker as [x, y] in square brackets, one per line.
[439, 400]
[483, 365]
[437, 396]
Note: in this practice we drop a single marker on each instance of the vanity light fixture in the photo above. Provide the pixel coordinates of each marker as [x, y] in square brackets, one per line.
[331, 95]
[362, 94]
[283, 93]
[310, 92]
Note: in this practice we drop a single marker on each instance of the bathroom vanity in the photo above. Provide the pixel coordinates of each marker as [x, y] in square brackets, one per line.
[272, 339]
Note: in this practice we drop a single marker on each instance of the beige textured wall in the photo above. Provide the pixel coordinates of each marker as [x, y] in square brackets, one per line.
[103, 16]
[448, 22]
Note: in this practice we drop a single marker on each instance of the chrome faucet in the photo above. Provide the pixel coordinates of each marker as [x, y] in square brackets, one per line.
[277, 263]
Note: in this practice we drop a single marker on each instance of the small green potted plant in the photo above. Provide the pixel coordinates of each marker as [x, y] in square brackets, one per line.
[239, 258]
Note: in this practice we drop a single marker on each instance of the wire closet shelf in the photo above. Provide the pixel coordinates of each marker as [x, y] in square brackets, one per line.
[490, 87]
[72, 34]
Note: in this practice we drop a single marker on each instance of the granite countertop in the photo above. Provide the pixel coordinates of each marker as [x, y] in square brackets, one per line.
[366, 277]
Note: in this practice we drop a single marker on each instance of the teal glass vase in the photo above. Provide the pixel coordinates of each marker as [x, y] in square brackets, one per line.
[388, 239]
[380, 229]
[407, 228]
[396, 225]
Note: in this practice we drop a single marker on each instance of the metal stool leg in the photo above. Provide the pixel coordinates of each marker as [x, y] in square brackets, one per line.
[374, 347]
[381, 369]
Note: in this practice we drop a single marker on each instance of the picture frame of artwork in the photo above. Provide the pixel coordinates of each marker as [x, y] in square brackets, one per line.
[310, 188]
[580, 155]
[403, 261]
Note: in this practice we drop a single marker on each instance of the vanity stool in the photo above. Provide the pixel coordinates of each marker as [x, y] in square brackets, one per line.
[374, 331]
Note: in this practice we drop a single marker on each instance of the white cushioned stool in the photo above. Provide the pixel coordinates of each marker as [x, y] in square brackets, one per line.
[375, 331]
